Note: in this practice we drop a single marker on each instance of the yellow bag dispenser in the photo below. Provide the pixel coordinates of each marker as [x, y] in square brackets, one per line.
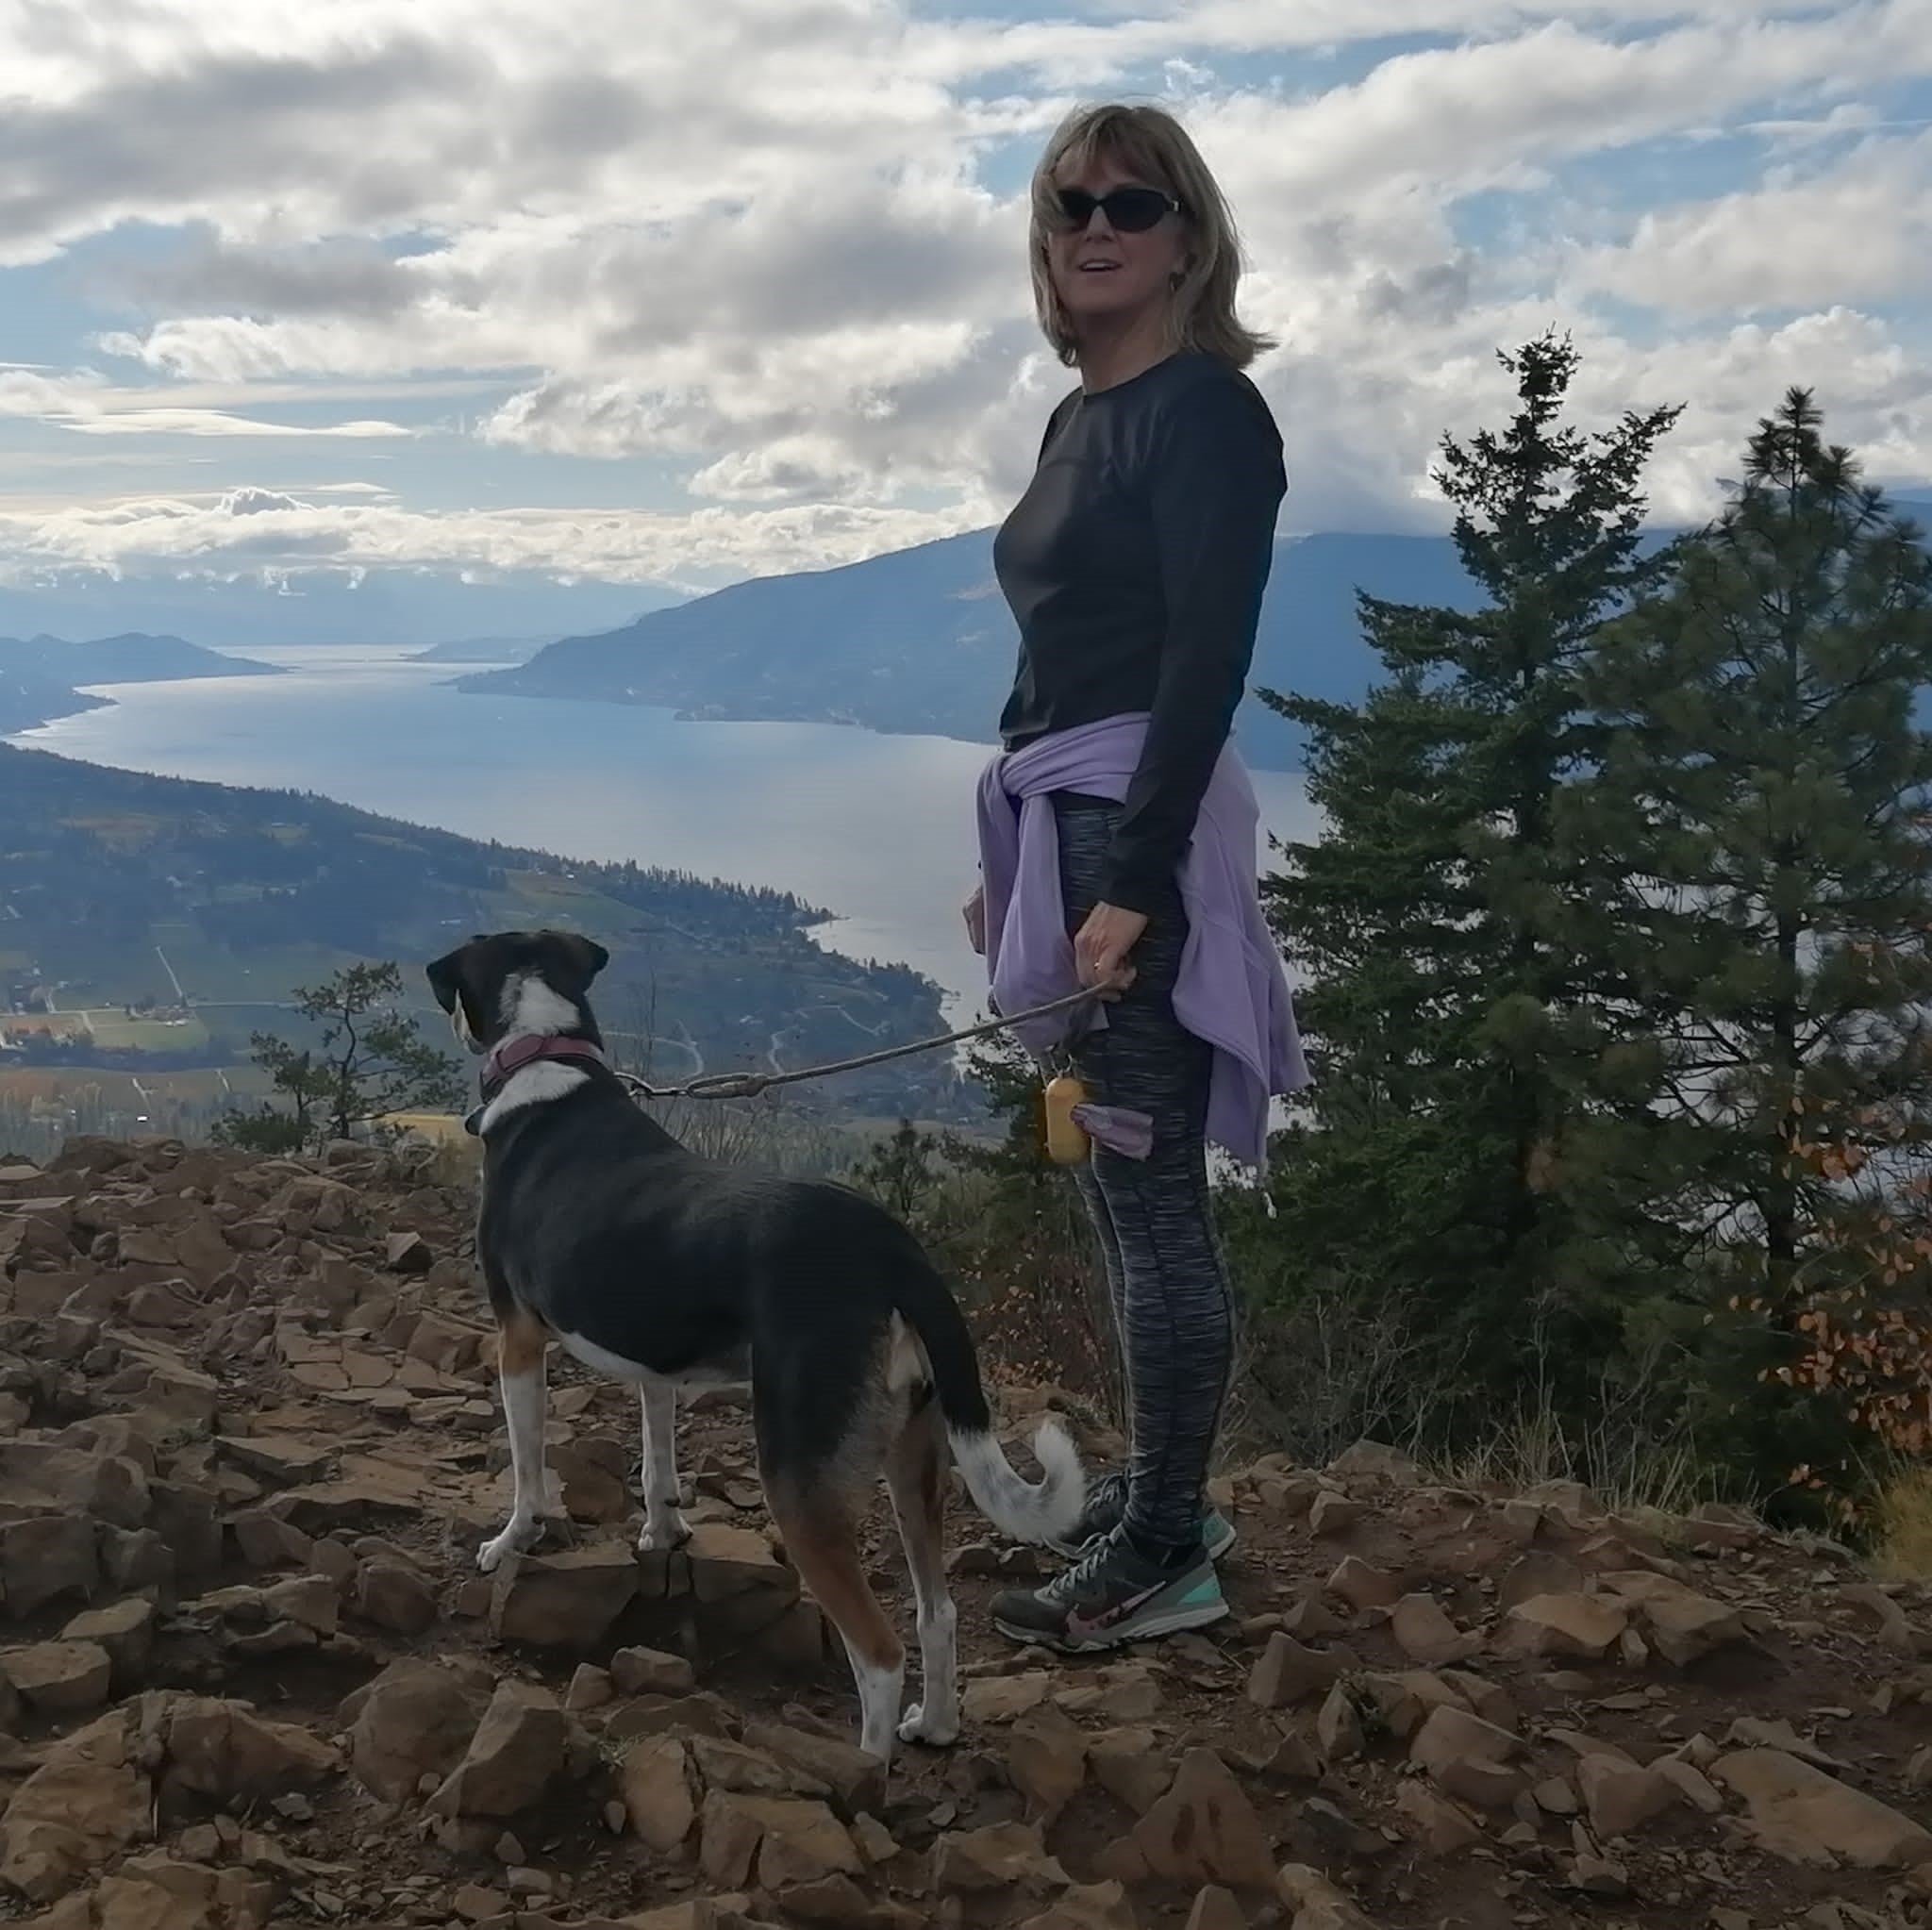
[1067, 1143]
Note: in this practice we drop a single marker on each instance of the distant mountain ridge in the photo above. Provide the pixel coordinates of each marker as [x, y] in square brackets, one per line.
[483, 650]
[922, 640]
[41, 677]
[132, 658]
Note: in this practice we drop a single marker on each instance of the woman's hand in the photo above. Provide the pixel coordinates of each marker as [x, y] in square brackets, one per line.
[973, 912]
[1102, 944]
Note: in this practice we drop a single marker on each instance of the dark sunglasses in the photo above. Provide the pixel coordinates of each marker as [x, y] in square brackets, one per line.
[1132, 210]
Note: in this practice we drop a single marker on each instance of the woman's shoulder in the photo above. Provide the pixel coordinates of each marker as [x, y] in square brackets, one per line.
[1205, 409]
[1199, 383]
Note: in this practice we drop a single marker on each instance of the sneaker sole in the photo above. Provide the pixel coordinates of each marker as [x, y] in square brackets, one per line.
[1147, 1628]
[1216, 1542]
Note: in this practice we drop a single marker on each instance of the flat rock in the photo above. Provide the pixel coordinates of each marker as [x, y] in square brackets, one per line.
[786, 1839]
[1316, 1903]
[723, 1764]
[1046, 1760]
[1575, 1625]
[659, 1796]
[1335, 1514]
[1086, 1907]
[641, 1672]
[1363, 1585]
[519, 1749]
[1131, 1766]
[285, 1460]
[1441, 1827]
[1203, 1830]
[44, 1559]
[415, 1720]
[225, 1750]
[1215, 1908]
[1620, 1797]
[1339, 1726]
[1452, 1735]
[1004, 1698]
[1002, 1856]
[86, 1802]
[311, 1599]
[853, 1779]
[1425, 1632]
[1682, 1625]
[395, 1597]
[62, 1678]
[566, 1601]
[1804, 1815]
[1287, 1672]
[734, 1569]
[126, 1631]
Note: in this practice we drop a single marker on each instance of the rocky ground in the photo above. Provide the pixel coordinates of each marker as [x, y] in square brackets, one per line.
[249, 1676]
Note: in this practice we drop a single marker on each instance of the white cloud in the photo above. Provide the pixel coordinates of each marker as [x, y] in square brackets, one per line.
[1860, 232]
[773, 249]
[84, 404]
[251, 531]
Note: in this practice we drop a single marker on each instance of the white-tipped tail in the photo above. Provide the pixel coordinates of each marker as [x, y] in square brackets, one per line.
[1029, 1511]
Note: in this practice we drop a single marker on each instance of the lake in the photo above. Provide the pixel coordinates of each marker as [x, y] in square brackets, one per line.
[878, 830]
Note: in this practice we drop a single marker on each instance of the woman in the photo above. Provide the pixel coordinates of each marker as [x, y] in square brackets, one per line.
[1118, 828]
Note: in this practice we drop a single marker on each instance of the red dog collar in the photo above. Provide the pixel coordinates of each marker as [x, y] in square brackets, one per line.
[513, 1055]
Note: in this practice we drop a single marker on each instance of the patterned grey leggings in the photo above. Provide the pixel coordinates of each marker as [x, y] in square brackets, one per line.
[1173, 1307]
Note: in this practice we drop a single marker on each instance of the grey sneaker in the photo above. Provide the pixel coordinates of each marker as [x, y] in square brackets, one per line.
[1107, 1503]
[1111, 1596]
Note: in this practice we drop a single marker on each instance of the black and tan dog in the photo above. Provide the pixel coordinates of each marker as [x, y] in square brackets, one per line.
[598, 1229]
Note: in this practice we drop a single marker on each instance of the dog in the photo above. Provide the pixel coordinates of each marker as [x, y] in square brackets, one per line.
[598, 1229]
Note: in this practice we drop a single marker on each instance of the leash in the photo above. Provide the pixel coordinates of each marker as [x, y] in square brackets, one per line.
[750, 1085]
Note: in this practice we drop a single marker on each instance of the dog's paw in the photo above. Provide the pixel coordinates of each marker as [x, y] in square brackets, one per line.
[518, 1538]
[663, 1532]
[917, 1726]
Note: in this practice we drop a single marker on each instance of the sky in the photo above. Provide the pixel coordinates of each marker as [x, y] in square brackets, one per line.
[681, 293]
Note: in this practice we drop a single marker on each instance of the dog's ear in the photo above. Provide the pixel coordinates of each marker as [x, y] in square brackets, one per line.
[584, 957]
[446, 975]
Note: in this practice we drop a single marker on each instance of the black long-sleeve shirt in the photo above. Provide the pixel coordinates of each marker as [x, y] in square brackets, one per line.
[1134, 564]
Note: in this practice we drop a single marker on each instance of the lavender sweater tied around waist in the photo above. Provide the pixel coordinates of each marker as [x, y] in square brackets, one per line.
[1231, 991]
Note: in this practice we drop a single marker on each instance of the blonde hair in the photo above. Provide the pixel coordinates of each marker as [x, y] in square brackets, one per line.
[1150, 143]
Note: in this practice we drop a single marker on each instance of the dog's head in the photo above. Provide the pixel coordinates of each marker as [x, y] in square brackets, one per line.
[518, 981]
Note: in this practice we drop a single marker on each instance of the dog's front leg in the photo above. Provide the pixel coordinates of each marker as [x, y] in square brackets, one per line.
[520, 1370]
[664, 1526]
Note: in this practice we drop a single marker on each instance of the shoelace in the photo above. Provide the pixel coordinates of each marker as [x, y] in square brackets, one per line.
[1110, 1490]
[1067, 1586]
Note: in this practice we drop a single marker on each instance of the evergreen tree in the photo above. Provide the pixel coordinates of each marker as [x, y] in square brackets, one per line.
[1766, 793]
[372, 1060]
[1465, 1022]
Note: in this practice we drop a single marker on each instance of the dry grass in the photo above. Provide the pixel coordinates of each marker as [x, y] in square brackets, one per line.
[1901, 1527]
[1627, 1470]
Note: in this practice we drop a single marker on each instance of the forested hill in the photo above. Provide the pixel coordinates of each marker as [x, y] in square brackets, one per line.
[210, 903]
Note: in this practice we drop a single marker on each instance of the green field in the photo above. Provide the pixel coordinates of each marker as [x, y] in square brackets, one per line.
[114, 1027]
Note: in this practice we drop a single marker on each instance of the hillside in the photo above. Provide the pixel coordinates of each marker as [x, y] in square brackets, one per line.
[27, 701]
[482, 649]
[922, 640]
[148, 925]
[252, 1680]
[39, 676]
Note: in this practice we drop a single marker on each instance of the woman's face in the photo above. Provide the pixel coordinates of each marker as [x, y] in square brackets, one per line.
[1103, 270]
